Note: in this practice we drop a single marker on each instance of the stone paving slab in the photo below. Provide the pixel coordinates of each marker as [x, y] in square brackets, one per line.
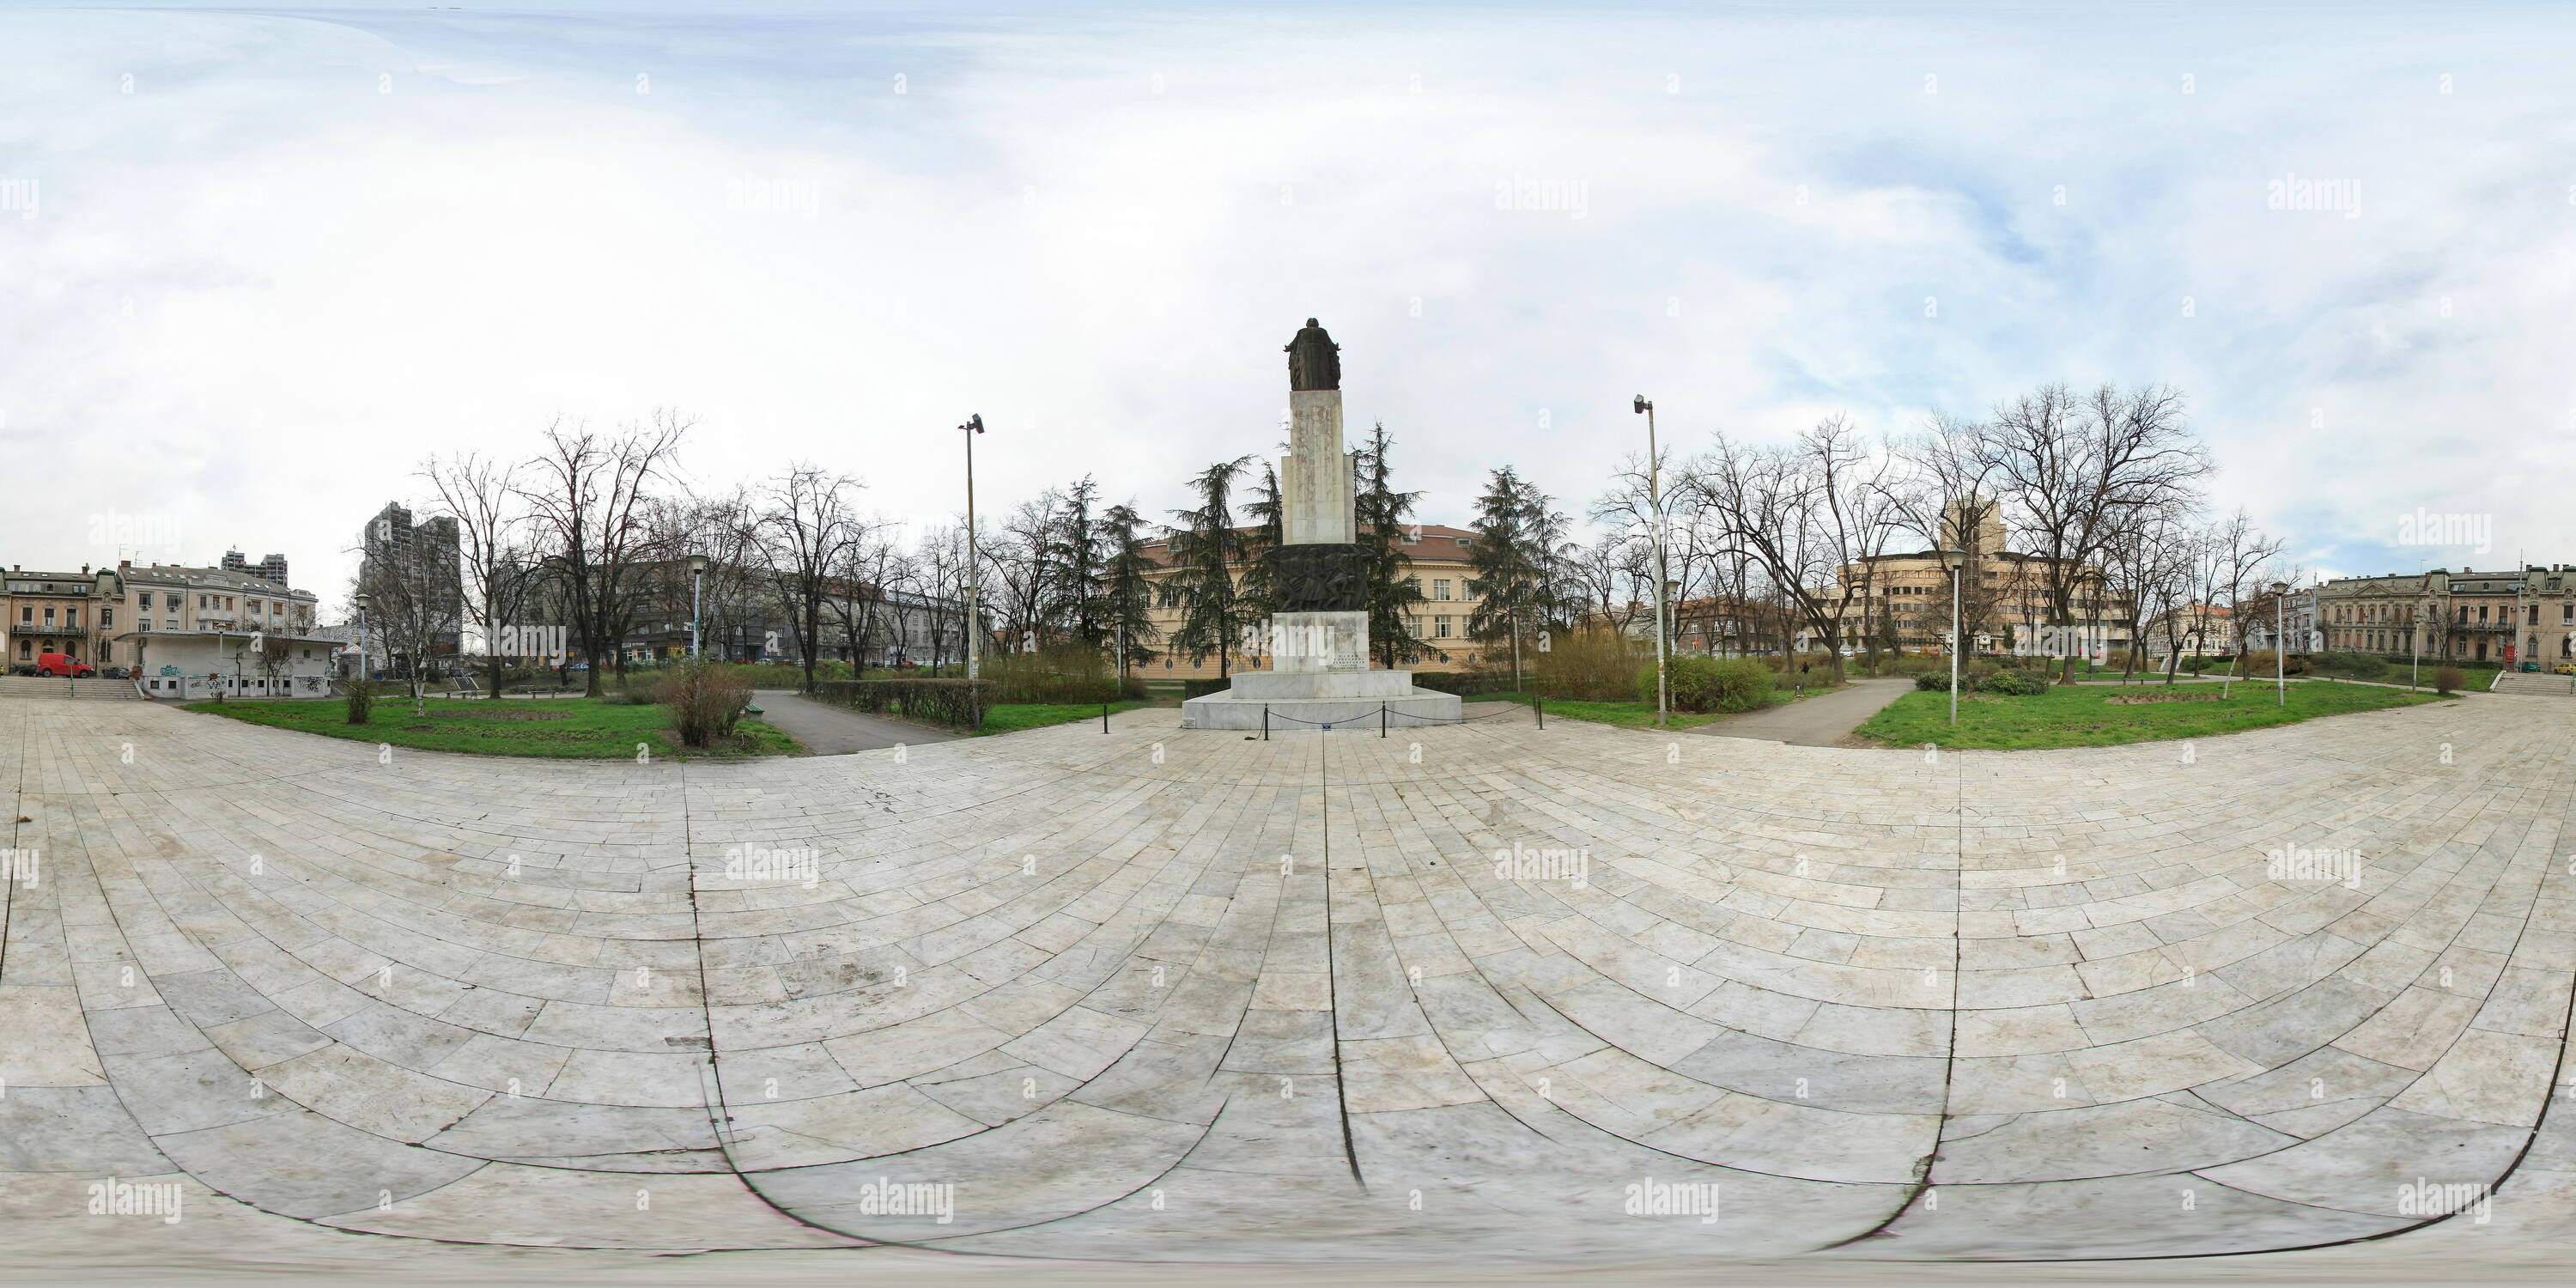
[1169, 995]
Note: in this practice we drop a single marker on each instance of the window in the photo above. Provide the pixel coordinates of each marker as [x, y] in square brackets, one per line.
[26, 614]
[49, 614]
[1440, 590]
[144, 601]
[71, 617]
[1440, 625]
[106, 618]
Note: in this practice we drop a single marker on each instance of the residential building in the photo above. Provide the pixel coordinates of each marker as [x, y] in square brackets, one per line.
[2192, 628]
[58, 612]
[2465, 616]
[1439, 567]
[426, 559]
[273, 568]
[194, 632]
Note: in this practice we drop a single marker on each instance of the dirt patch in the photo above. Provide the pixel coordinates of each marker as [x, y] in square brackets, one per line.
[505, 713]
[2143, 699]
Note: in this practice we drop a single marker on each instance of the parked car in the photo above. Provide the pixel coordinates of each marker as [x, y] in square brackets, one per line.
[62, 664]
[118, 673]
[2563, 668]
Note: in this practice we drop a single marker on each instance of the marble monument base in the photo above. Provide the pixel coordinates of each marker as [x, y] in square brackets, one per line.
[1299, 700]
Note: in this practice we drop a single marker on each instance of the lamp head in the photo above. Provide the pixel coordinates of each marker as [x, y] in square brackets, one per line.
[2280, 588]
[974, 422]
[1642, 404]
[1953, 560]
[697, 564]
[360, 599]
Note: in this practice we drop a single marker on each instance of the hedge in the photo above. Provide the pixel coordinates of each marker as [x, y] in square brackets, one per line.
[959, 704]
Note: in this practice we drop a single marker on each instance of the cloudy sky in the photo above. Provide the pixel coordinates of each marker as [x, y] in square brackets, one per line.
[259, 262]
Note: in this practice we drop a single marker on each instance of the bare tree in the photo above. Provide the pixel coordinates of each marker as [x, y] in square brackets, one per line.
[492, 544]
[806, 533]
[2079, 471]
[587, 496]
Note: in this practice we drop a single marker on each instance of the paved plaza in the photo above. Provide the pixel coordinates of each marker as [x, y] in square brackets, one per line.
[1469, 996]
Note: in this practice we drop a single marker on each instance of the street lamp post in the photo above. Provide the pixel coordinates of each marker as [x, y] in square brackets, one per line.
[1954, 560]
[1655, 502]
[2280, 643]
[360, 599]
[974, 622]
[697, 577]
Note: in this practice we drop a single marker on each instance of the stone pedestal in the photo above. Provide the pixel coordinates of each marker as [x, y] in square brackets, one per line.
[1304, 702]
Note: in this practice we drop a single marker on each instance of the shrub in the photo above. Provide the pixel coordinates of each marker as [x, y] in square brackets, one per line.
[958, 704]
[643, 689]
[1706, 684]
[2448, 680]
[1132, 689]
[361, 693]
[705, 699]
[2350, 666]
[1202, 688]
[2014, 681]
[1058, 673]
[1932, 681]
[1588, 665]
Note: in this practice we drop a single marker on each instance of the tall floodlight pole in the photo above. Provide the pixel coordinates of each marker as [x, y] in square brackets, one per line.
[1954, 560]
[1655, 503]
[974, 619]
[2281, 642]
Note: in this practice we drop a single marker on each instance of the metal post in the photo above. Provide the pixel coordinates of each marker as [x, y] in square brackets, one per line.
[1655, 503]
[1265, 722]
[1954, 644]
[1538, 708]
[2281, 648]
[697, 576]
[1381, 720]
[1104, 717]
[974, 620]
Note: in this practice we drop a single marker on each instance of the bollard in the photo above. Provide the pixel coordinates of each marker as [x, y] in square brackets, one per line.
[1537, 710]
[1104, 717]
[1381, 720]
[1265, 722]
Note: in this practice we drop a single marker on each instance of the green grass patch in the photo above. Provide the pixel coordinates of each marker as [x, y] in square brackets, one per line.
[1011, 717]
[2084, 716]
[559, 728]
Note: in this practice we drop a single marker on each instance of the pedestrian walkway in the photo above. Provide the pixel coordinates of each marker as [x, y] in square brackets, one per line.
[1825, 720]
[828, 730]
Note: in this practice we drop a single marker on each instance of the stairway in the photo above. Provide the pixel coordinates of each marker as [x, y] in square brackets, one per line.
[2534, 682]
[54, 686]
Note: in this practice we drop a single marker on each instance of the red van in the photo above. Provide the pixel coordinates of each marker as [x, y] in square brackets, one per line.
[63, 664]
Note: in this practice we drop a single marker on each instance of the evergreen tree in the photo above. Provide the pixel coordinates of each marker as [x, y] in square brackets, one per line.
[1126, 589]
[1071, 556]
[1206, 549]
[1393, 592]
[1514, 557]
[1259, 589]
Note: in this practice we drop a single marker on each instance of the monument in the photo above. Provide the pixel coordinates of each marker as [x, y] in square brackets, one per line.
[1319, 655]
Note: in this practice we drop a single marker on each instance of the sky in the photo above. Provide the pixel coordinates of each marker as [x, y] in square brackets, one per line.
[259, 263]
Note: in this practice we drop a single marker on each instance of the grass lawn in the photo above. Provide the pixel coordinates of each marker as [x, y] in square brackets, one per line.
[2083, 716]
[1011, 717]
[565, 728]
